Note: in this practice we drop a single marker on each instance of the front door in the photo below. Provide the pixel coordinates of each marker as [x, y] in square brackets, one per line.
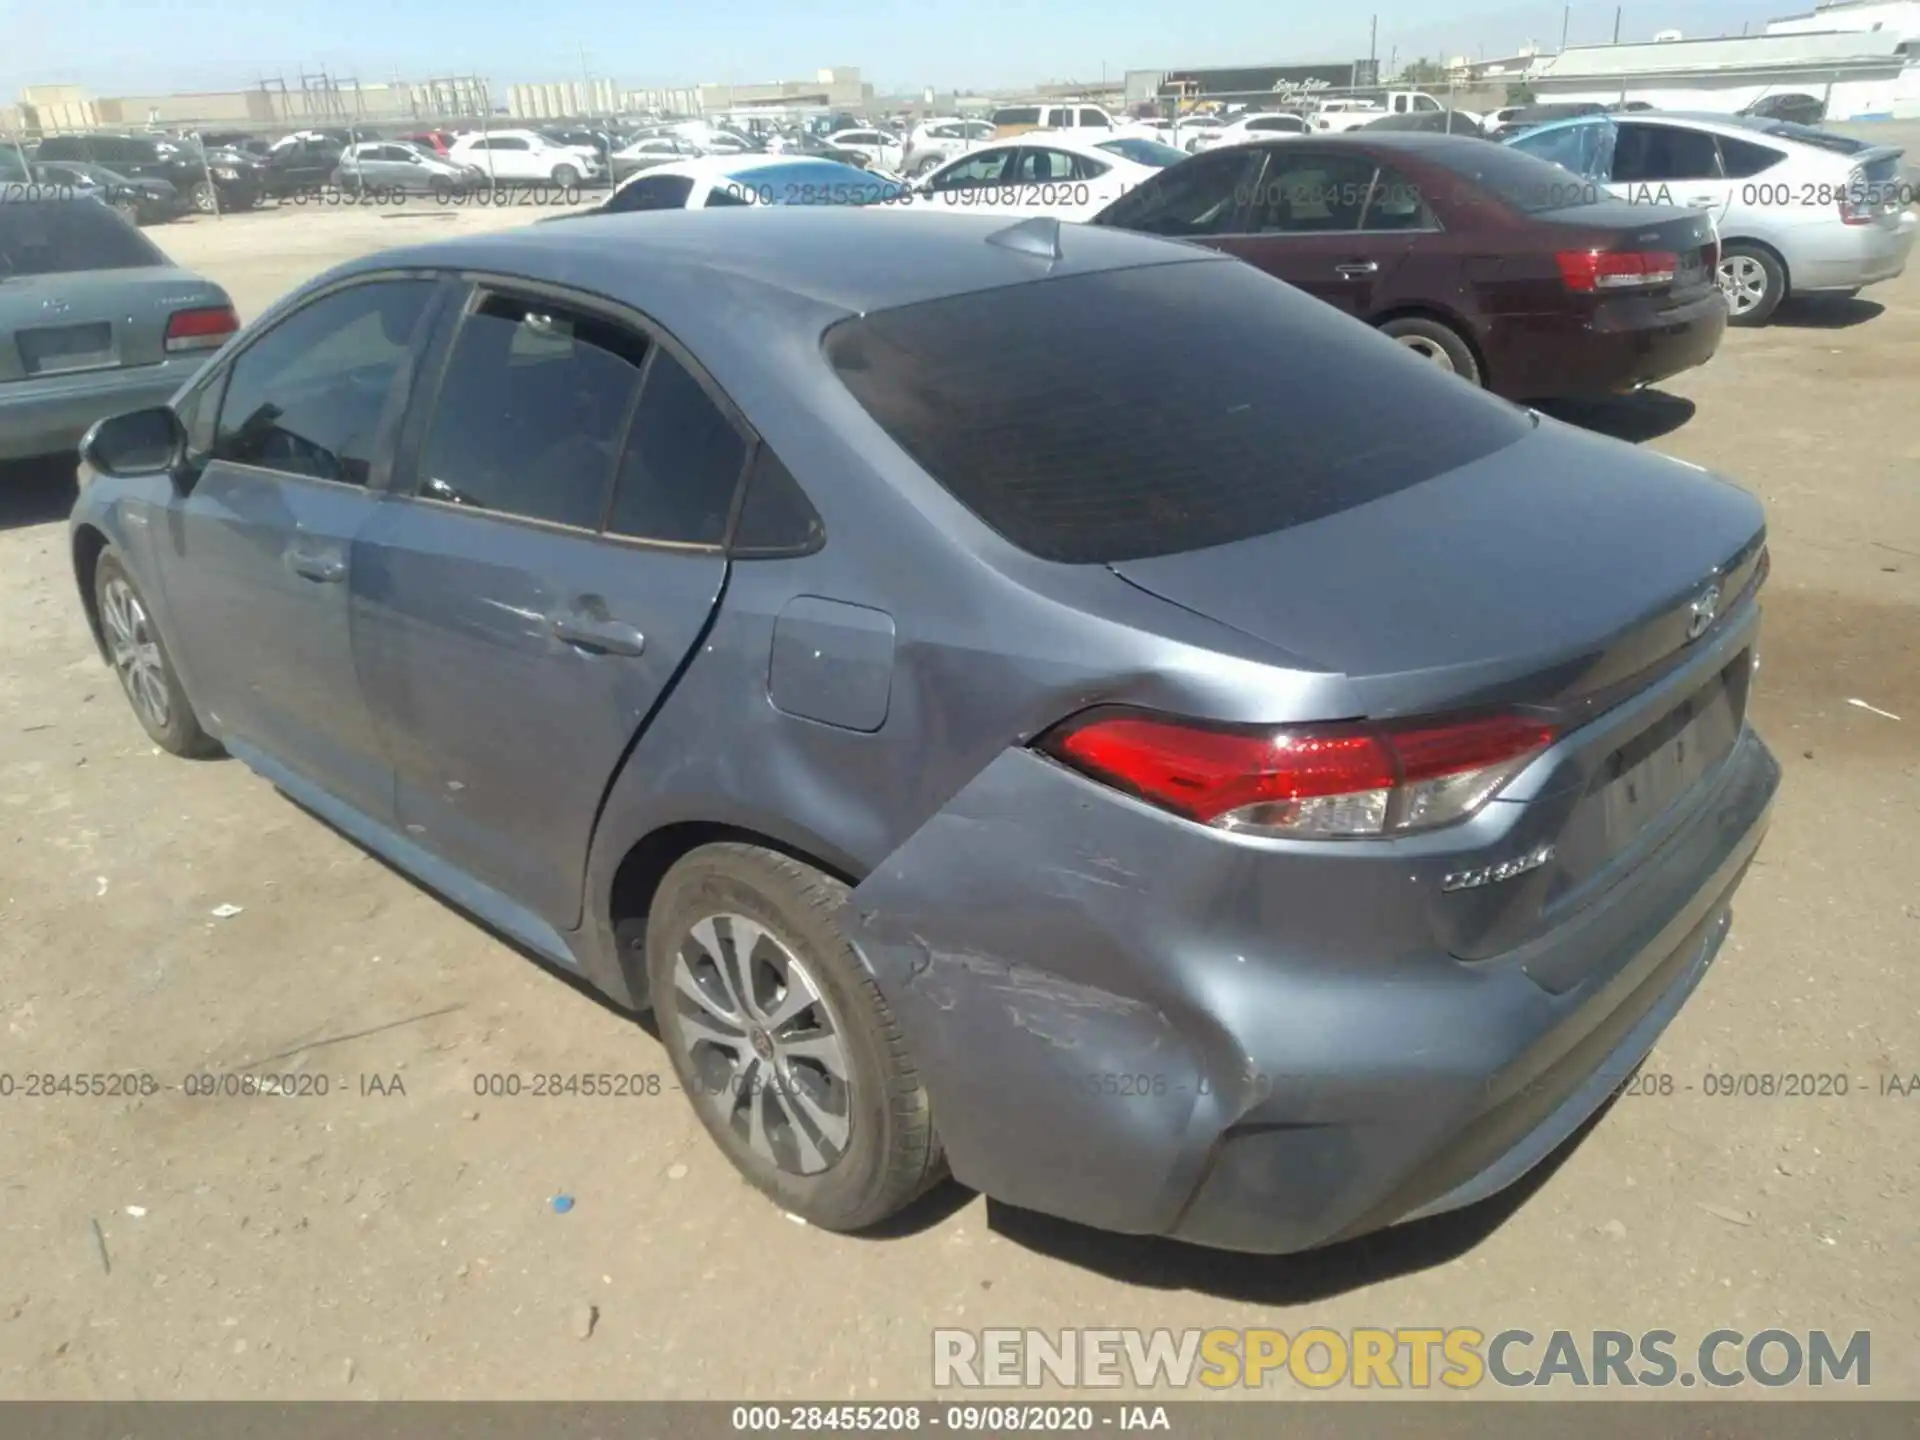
[527, 596]
[1307, 225]
[262, 540]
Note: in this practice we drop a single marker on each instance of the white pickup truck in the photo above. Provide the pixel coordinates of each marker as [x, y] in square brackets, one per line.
[1334, 116]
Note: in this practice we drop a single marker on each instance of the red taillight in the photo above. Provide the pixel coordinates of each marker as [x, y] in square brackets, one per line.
[1590, 270]
[1324, 781]
[202, 329]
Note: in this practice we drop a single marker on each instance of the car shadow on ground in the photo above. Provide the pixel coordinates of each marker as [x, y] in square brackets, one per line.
[1315, 1275]
[1637, 418]
[35, 492]
[1815, 312]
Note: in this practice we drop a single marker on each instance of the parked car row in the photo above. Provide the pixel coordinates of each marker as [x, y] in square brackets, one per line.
[983, 650]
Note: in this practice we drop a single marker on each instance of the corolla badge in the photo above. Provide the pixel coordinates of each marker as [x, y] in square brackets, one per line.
[1702, 613]
[1494, 874]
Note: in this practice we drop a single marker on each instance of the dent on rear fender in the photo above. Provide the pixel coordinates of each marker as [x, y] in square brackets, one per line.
[1063, 1075]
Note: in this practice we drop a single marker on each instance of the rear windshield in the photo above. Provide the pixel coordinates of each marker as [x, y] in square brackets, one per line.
[53, 237]
[1128, 413]
[1516, 179]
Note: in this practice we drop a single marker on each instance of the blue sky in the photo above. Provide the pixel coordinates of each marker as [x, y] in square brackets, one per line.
[142, 47]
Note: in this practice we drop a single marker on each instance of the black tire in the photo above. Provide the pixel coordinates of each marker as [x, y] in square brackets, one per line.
[1436, 342]
[892, 1153]
[178, 731]
[1739, 262]
[565, 177]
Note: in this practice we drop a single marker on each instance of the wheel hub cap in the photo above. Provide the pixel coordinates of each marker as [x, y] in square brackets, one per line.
[1745, 281]
[135, 653]
[1427, 350]
[765, 1049]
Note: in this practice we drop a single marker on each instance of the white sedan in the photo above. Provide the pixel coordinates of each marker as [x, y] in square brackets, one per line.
[712, 181]
[525, 155]
[1249, 127]
[1067, 177]
[880, 148]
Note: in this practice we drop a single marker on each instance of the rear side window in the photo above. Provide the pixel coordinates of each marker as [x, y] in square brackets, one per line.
[531, 411]
[1017, 115]
[1654, 153]
[58, 237]
[1742, 159]
[682, 464]
[1036, 407]
[776, 518]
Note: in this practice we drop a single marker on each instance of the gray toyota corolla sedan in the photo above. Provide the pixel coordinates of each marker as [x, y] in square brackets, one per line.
[1043, 703]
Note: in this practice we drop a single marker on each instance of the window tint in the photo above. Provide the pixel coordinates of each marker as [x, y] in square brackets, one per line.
[1305, 193]
[1094, 120]
[308, 396]
[1031, 406]
[530, 413]
[776, 518]
[1017, 115]
[1201, 196]
[1664, 152]
[56, 237]
[1144, 152]
[1520, 177]
[725, 195]
[1742, 159]
[511, 145]
[1038, 167]
[1284, 123]
[682, 463]
[652, 192]
[1396, 204]
[983, 167]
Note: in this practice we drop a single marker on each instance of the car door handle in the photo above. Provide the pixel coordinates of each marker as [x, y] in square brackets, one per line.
[1358, 268]
[1703, 201]
[600, 637]
[322, 569]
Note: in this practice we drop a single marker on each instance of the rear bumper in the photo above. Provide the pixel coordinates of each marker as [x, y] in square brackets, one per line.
[1846, 257]
[1623, 346]
[1267, 1052]
[48, 416]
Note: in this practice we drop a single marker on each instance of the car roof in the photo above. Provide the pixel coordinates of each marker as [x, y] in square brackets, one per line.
[796, 259]
[1696, 119]
[1062, 140]
[719, 167]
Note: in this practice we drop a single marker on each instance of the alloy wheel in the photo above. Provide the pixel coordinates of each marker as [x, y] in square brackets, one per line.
[1745, 281]
[764, 1046]
[1427, 349]
[135, 653]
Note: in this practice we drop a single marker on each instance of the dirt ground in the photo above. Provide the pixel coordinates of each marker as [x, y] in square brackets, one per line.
[401, 1240]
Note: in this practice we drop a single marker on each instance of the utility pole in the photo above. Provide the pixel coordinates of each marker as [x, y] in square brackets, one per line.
[1616, 23]
[1373, 43]
[1566, 20]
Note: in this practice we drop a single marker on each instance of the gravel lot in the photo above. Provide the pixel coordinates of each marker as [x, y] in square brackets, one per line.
[404, 1244]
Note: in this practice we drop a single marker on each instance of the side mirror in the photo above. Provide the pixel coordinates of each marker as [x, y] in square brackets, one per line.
[142, 442]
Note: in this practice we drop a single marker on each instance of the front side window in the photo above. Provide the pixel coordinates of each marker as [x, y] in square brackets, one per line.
[530, 412]
[1202, 196]
[307, 397]
[682, 464]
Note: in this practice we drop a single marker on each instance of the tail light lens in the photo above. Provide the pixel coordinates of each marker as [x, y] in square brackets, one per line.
[1313, 782]
[202, 329]
[1591, 270]
[1855, 207]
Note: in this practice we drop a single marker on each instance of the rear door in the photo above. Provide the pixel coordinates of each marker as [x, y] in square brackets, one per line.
[1661, 164]
[1307, 225]
[551, 555]
[261, 543]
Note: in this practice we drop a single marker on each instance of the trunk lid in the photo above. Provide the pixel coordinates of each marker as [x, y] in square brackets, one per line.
[1564, 574]
[1548, 573]
[69, 323]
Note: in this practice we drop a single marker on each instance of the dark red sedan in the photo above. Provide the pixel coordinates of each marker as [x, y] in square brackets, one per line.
[1513, 272]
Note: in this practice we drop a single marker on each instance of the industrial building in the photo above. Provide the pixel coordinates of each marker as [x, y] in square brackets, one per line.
[271, 104]
[1859, 74]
